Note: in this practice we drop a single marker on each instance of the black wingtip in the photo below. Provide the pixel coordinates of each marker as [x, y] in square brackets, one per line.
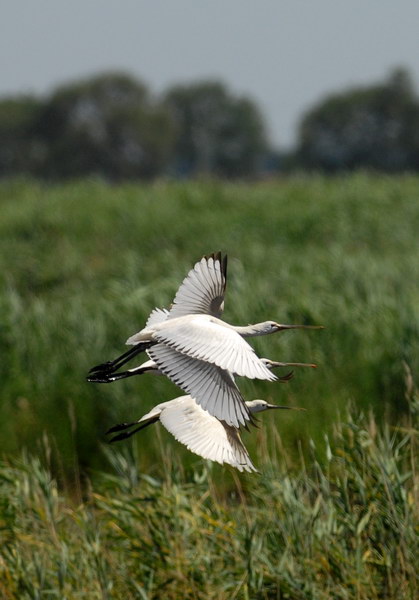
[224, 267]
[218, 256]
[214, 255]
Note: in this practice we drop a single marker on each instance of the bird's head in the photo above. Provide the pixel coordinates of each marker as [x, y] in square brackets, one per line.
[271, 326]
[260, 405]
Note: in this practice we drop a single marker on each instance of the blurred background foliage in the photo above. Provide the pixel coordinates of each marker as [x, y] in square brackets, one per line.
[108, 195]
[313, 529]
[98, 226]
[373, 127]
[83, 264]
[113, 127]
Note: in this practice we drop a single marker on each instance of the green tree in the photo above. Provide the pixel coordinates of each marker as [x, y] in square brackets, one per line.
[216, 133]
[109, 126]
[373, 127]
[20, 149]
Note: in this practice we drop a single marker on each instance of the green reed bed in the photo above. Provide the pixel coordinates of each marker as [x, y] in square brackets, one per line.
[345, 528]
[82, 265]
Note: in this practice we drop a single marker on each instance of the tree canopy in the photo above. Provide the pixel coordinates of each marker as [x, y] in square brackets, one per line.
[111, 126]
[107, 126]
[20, 150]
[370, 127]
[216, 132]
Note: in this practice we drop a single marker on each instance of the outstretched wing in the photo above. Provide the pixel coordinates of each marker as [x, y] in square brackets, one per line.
[157, 315]
[213, 388]
[202, 291]
[201, 338]
[205, 435]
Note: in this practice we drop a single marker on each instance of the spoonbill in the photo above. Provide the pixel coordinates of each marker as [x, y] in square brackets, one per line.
[222, 383]
[189, 340]
[151, 367]
[200, 432]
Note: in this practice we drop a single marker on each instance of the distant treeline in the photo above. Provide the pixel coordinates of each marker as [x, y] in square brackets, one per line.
[111, 126]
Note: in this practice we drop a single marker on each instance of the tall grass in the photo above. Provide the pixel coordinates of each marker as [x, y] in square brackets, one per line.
[343, 529]
[82, 265]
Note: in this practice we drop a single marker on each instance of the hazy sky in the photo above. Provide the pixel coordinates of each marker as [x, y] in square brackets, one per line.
[285, 54]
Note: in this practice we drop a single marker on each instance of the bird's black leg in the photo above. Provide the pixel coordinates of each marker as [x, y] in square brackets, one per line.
[121, 427]
[105, 377]
[114, 365]
[127, 434]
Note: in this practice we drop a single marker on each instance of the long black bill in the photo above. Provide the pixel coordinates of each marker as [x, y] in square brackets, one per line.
[285, 407]
[114, 365]
[283, 326]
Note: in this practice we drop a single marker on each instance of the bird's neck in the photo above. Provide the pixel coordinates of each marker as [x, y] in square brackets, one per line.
[251, 330]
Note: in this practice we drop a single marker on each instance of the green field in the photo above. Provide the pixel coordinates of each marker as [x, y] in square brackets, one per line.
[344, 529]
[83, 264]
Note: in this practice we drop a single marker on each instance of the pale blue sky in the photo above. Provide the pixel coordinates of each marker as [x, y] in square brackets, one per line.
[285, 54]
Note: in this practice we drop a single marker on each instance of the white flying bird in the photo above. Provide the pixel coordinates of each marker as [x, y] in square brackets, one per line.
[199, 431]
[223, 383]
[196, 350]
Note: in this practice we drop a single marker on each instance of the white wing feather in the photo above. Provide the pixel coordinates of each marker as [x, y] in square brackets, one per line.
[205, 340]
[157, 315]
[202, 290]
[203, 434]
[213, 388]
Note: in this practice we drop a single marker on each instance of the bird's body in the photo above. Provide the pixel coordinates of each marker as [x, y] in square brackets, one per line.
[200, 432]
[198, 351]
[221, 396]
[209, 339]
